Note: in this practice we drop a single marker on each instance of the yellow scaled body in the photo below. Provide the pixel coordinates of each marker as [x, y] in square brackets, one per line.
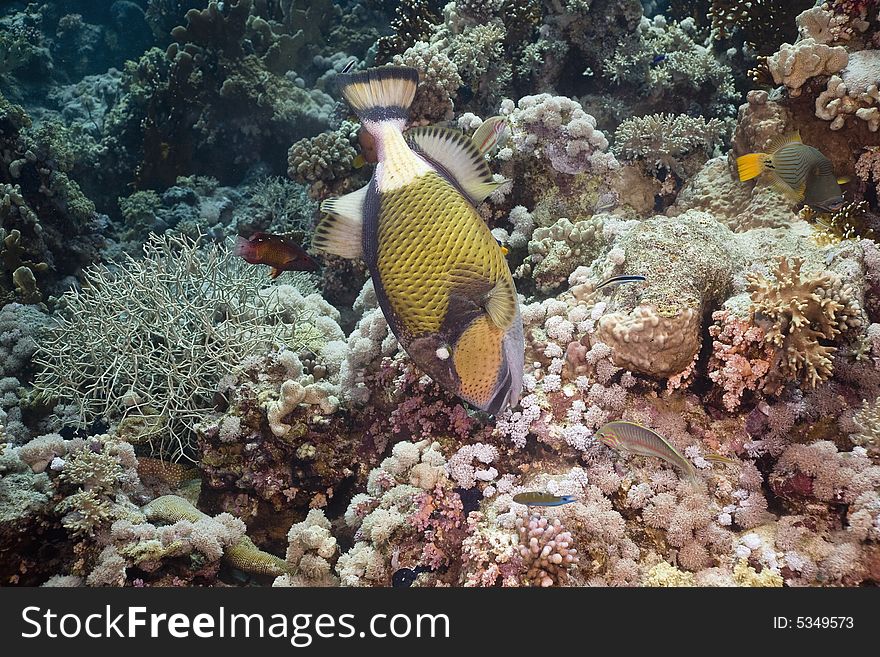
[440, 276]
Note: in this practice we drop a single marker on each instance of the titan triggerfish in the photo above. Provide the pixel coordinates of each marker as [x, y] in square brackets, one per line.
[440, 276]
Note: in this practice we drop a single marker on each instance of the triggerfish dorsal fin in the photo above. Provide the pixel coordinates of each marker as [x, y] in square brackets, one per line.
[380, 94]
[455, 157]
[341, 231]
[781, 140]
[491, 133]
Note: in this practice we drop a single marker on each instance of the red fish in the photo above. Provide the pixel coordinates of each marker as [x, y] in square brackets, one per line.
[280, 253]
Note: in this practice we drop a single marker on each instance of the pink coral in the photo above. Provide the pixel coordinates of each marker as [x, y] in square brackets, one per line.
[545, 549]
[740, 357]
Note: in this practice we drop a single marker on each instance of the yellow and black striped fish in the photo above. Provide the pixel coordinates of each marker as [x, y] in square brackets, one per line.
[798, 171]
[441, 278]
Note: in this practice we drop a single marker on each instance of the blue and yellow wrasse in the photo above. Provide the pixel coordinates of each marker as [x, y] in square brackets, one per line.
[440, 276]
[642, 441]
[542, 499]
[800, 172]
[279, 252]
[620, 280]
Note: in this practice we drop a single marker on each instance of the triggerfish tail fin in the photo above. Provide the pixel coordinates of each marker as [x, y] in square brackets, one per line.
[380, 94]
[457, 158]
[341, 231]
[491, 133]
[751, 165]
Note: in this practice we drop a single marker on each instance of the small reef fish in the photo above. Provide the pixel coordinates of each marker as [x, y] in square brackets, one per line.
[279, 252]
[404, 577]
[441, 278]
[620, 280]
[798, 171]
[642, 441]
[368, 154]
[491, 133]
[657, 59]
[542, 499]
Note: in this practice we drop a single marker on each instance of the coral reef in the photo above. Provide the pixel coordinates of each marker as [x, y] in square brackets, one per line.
[194, 313]
[171, 416]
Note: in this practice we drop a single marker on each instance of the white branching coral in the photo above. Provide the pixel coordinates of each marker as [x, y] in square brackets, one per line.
[153, 338]
[794, 64]
[854, 92]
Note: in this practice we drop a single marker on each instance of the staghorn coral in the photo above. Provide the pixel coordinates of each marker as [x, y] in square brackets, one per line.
[194, 306]
[799, 316]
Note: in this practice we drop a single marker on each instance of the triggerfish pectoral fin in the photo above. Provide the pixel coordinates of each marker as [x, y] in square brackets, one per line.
[479, 362]
[341, 232]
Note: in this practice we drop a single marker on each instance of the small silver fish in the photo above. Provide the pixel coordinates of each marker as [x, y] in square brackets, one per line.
[620, 280]
[534, 498]
[642, 441]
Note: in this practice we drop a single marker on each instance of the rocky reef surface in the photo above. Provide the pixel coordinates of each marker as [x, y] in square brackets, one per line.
[171, 416]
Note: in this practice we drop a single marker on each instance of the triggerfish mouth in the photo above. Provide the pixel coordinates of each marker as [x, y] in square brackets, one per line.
[440, 276]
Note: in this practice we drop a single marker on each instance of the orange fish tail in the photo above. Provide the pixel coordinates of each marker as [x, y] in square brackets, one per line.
[751, 165]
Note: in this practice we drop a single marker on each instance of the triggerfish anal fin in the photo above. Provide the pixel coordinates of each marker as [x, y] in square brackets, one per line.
[457, 157]
[341, 232]
[491, 133]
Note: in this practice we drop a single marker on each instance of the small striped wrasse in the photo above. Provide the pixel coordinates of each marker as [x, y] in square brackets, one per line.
[642, 441]
[614, 281]
[491, 133]
[800, 172]
[534, 498]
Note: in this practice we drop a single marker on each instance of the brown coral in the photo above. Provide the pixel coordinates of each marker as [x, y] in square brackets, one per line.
[243, 555]
[798, 315]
